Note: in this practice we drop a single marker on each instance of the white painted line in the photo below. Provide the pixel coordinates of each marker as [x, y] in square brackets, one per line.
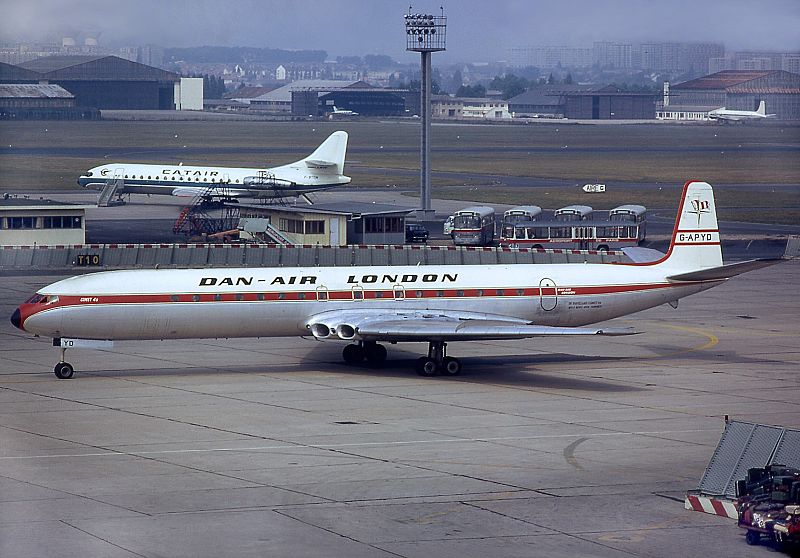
[349, 445]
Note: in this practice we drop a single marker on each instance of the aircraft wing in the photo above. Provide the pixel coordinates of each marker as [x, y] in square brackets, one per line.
[436, 325]
[190, 192]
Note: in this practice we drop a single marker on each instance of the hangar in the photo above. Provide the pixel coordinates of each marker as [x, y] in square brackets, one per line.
[318, 96]
[32, 101]
[105, 82]
[739, 90]
[584, 103]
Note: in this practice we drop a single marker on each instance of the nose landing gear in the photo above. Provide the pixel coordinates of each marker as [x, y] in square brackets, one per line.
[63, 370]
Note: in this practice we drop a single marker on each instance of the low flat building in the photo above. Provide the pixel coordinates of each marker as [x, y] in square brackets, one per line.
[27, 222]
[687, 113]
[469, 108]
[30, 101]
[333, 224]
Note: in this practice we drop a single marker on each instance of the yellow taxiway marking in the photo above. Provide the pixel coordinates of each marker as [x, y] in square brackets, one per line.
[712, 339]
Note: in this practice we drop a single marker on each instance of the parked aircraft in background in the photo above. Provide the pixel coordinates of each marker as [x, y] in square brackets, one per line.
[322, 169]
[740, 115]
[435, 304]
[343, 112]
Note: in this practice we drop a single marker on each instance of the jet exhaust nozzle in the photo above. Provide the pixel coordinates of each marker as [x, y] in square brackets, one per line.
[345, 331]
[320, 331]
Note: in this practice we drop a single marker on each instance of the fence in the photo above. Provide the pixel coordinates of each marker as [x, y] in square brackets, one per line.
[127, 256]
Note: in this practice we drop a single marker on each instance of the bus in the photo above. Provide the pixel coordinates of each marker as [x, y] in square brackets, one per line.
[625, 226]
[573, 213]
[522, 213]
[473, 225]
[626, 214]
[519, 214]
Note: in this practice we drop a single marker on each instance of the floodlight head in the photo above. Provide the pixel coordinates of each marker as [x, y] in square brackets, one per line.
[425, 32]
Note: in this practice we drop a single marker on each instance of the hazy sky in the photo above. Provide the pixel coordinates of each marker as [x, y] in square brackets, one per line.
[477, 30]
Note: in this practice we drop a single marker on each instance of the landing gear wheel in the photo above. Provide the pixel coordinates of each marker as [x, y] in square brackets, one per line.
[451, 366]
[752, 537]
[353, 354]
[375, 354]
[63, 370]
[427, 367]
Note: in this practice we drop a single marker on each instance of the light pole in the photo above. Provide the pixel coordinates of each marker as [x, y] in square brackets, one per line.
[425, 33]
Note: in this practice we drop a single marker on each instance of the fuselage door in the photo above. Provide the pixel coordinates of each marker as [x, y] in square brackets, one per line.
[399, 292]
[548, 297]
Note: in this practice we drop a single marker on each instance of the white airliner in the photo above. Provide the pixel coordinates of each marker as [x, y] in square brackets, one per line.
[740, 115]
[366, 305]
[322, 169]
[343, 112]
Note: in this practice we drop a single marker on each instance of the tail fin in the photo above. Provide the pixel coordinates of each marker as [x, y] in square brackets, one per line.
[330, 153]
[695, 239]
[762, 108]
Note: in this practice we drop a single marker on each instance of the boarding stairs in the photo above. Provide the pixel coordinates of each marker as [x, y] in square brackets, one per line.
[275, 236]
[204, 216]
[109, 191]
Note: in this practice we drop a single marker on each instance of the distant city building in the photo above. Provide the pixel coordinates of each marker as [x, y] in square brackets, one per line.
[547, 57]
[612, 55]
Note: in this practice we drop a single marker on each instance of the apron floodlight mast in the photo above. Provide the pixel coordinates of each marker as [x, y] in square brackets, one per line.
[425, 33]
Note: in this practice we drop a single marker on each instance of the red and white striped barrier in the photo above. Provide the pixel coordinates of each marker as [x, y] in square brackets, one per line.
[708, 504]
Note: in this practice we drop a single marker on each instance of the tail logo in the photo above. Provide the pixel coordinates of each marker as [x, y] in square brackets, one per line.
[699, 207]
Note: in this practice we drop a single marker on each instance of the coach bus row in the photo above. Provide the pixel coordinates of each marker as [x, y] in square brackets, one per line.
[574, 226]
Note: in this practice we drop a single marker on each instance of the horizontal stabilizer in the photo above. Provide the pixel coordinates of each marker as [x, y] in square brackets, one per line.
[638, 254]
[724, 271]
[316, 164]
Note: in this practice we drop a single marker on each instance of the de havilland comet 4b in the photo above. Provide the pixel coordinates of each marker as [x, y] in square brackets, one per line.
[435, 304]
[324, 168]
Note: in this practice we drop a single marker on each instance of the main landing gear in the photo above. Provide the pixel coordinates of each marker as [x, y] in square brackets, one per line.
[372, 352]
[63, 370]
[437, 361]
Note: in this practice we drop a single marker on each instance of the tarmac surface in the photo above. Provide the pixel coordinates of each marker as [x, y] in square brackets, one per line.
[274, 447]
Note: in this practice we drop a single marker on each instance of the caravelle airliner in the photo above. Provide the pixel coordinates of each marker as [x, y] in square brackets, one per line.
[368, 305]
[324, 168]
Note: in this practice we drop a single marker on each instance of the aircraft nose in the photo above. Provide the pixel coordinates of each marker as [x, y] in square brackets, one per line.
[16, 319]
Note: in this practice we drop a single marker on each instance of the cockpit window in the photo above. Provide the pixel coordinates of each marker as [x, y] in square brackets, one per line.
[35, 298]
[89, 173]
[50, 299]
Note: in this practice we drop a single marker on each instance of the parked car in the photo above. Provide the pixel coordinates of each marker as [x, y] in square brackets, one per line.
[416, 233]
[447, 229]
